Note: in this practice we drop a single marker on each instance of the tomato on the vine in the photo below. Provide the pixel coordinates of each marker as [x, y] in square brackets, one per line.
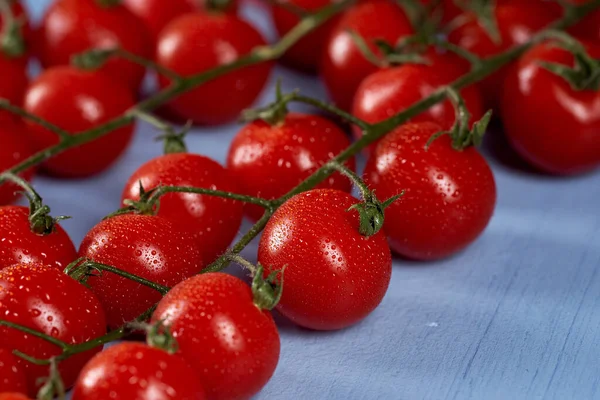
[75, 101]
[517, 22]
[270, 160]
[15, 149]
[12, 375]
[450, 195]
[70, 27]
[22, 246]
[197, 42]
[344, 66]
[333, 276]
[43, 298]
[135, 371]
[232, 344]
[566, 143]
[391, 90]
[13, 81]
[215, 220]
[152, 247]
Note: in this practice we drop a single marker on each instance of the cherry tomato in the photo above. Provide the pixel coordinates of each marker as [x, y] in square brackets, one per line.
[45, 299]
[156, 14]
[70, 27]
[15, 149]
[334, 276]
[270, 160]
[76, 101]
[12, 375]
[198, 42]
[135, 371]
[21, 246]
[214, 219]
[13, 396]
[388, 91]
[232, 344]
[344, 66]
[517, 23]
[450, 195]
[151, 247]
[13, 81]
[568, 142]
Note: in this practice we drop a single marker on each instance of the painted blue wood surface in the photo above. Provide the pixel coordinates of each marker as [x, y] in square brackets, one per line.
[516, 316]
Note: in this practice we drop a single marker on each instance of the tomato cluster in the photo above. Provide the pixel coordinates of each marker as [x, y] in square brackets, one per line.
[325, 257]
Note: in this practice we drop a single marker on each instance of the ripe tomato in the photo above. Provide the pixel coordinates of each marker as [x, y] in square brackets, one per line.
[12, 375]
[232, 344]
[135, 371]
[70, 27]
[22, 246]
[450, 195]
[45, 299]
[388, 91]
[568, 142]
[76, 101]
[334, 277]
[270, 160]
[13, 81]
[156, 14]
[198, 42]
[13, 396]
[214, 219]
[344, 66]
[517, 23]
[152, 247]
[15, 149]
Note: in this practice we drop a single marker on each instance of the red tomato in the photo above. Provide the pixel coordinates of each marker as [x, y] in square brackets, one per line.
[22, 246]
[388, 91]
[152, 247]
[195, 43]
[344, 66]
[231, 343]
[13, 81]
[567, 143]
[12, 375]
[517, 23]
[270, 160]
[13, 396]
[76, 101]
[215, 220]
[156, 14]
[70, 27]
[135, 371]
[450, 195]
[334, 277]
[45, 299]
[15, 149]
[589, 27]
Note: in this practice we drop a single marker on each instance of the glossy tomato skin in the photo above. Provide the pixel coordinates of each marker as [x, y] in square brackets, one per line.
[13, 81]
[12, 375]
[15, 148]
[588, 28]
[567, 143]
[76, 101]
[135, 371]
[45, 299]
[70, 27]
[270, 160]
[334, 276]
[232, 344]
[343, 66]
[214, 220]
[388, 91]
[450, 195]
[13, 396]
[517, 23]
[22, 246]
[198, 42]
[152, 247]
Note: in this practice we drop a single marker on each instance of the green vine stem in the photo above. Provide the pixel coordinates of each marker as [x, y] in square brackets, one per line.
[82, 269]
[173, 140]
[372, 134]
[6, 105]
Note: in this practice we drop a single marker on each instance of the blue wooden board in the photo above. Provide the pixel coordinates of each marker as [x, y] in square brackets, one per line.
[516, 316]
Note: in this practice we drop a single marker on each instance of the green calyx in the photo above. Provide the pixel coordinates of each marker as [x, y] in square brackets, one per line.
[52, 386]
[81, 270]
[372, 213]
[146, 205]
[158, 335]
[12, 42]
[585, 74]
[274, 113]
[484, 10]
[108, 3]
[389, 55]
[93, 59]
[267, 291]
[173, 141]
[218, 5]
